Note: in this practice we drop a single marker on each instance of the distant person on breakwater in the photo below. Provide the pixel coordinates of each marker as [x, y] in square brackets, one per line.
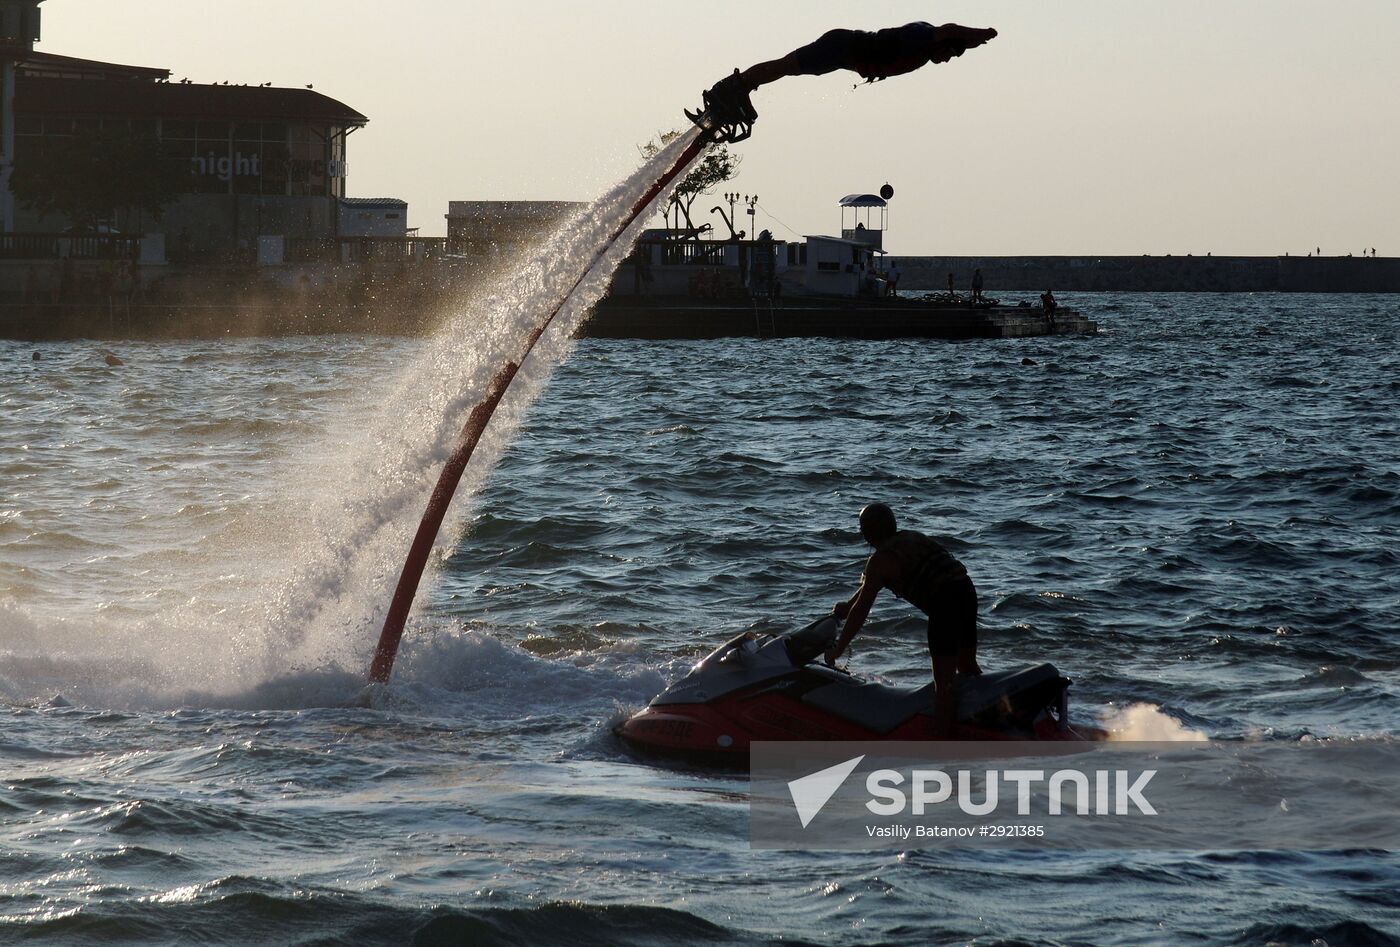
[977, 285]
[892, 279]
[1050, 304]
[952, 285]
[919, 570]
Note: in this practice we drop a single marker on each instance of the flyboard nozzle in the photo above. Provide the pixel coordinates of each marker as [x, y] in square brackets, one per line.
[728, 114]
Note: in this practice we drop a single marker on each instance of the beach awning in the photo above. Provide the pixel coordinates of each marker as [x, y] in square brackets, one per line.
[863, 200]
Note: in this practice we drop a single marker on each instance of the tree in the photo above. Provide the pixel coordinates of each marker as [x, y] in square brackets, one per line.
[718, 165]
[87, 177]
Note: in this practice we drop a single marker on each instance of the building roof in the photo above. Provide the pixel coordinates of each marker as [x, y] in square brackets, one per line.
[374, 201]
[70, 67]
[863, 200]
[178, 100]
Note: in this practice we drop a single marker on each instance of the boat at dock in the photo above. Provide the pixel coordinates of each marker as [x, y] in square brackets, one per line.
[905, 317]
[679, 285]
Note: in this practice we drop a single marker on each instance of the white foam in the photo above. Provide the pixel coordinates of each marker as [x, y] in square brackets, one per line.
[1147, 722]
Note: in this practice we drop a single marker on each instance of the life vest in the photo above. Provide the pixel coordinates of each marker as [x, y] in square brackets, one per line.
[924, 567]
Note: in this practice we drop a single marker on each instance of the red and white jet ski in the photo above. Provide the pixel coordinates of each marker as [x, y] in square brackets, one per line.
[766, 687]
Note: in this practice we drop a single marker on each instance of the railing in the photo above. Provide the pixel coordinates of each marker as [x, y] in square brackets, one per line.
[54, 246]
[357, 249]
[392, 248]
[693, 253]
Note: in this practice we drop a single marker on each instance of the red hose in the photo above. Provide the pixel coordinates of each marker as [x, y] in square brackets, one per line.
[384, 653]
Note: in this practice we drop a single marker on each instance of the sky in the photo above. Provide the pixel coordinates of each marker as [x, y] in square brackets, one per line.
[1086, 127]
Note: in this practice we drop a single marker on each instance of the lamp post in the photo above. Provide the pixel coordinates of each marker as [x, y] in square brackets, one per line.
[731, 199]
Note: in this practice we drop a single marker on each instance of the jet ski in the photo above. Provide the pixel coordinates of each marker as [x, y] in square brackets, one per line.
[760, 686]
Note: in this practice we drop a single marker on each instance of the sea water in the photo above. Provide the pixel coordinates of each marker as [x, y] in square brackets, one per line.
[1194, 515]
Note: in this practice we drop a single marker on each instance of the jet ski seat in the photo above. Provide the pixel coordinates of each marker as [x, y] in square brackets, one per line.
[877, 707]
[881, 708]
[985, 692]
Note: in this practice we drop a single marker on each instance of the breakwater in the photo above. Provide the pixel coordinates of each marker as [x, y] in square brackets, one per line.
[1157, 274]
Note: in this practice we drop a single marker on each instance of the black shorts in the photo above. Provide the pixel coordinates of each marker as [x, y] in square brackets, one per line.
[952, 618]
[836, 49]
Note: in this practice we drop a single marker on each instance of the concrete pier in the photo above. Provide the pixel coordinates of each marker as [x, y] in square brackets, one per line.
[1157, 274]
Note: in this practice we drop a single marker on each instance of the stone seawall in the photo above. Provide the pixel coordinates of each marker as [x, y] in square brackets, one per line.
[1156, 274]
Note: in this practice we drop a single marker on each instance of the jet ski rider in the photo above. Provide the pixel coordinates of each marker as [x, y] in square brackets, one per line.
[919, 570]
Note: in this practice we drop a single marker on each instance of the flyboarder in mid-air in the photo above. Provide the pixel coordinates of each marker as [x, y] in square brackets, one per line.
[873, 56]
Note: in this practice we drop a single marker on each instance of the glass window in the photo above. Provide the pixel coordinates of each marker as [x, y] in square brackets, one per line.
[28, 125]
[274, 131]
[181, 165]
[274, 169]
[177, 128]
[180, 149]
[27, 148]
[143, 127]
[247, 130]
[213, 130]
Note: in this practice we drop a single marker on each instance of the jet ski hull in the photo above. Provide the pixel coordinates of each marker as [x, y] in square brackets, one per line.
[725, 731]
[758, 688]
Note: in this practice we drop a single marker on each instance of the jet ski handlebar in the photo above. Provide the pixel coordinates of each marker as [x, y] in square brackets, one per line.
[807, 644]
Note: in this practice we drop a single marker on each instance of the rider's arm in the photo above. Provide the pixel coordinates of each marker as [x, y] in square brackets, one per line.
[859, 608]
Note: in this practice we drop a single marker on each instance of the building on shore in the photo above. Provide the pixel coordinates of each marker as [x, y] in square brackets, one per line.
[247, 161]
[19, 31]
[385, 217]
[488, 230]
[260, 160]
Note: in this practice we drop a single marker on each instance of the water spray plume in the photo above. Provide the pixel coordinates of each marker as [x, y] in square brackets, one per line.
[728, 116]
